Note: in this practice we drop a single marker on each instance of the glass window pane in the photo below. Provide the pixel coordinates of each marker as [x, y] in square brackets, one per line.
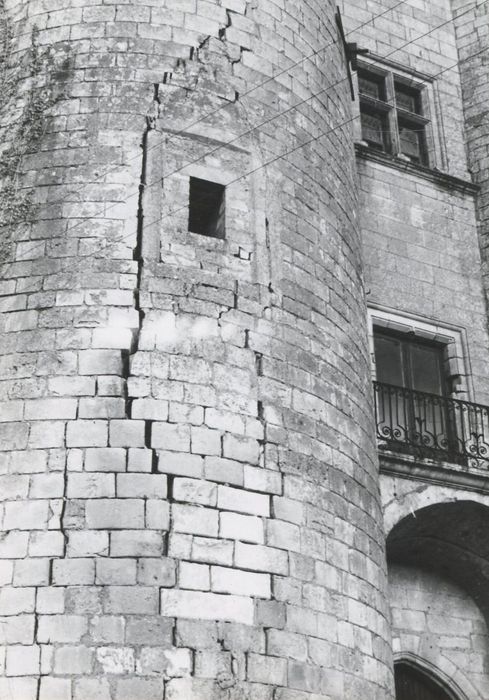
[426, 369]
[412, 138]
[374, 130]
[388, 360]
[371, 85]
[407, 98]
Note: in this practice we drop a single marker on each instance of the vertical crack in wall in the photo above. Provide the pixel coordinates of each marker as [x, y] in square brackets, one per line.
[138, 256]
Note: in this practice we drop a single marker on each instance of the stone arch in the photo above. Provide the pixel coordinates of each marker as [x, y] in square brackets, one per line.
[449, 538]
[444, 671]
[403, 498]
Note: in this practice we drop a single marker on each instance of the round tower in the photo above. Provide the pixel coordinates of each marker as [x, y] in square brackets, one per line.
[188, 455]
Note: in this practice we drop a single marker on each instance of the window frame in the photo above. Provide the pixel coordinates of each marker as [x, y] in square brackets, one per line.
[452, 338]
[423, 119]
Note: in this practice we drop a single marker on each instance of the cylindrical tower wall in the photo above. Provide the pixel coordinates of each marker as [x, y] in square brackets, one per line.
[189, 468]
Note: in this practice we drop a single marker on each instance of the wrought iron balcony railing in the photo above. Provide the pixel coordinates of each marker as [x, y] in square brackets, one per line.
[431, 426]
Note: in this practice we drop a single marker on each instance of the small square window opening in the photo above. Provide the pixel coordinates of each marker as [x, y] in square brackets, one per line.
[206, 208]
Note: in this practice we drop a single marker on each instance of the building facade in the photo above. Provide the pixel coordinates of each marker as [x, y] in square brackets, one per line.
[244, 355]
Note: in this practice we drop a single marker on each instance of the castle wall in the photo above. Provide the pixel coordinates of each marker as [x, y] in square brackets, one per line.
[189, 462]
[456, 643]
[419, 231]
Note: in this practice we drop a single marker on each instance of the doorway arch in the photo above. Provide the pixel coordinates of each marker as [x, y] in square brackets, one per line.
[415, 682]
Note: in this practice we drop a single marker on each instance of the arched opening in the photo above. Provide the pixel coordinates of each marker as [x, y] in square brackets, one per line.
[438, 561]
[412, 683]
[451, 539]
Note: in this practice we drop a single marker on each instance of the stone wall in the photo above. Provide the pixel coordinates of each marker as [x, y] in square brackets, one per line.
[455, 644]
[420, 231]
[188, 466]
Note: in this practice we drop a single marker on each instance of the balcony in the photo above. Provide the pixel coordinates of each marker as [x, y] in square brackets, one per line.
[428, 426]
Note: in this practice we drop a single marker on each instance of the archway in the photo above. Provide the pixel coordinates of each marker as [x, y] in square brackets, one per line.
[414, 683]
[451, 539]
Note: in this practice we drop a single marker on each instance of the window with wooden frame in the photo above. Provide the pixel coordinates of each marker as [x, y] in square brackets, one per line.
[394, 113]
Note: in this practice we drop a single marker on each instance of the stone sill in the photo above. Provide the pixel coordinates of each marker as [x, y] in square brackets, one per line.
[434, 471]
[449, 182]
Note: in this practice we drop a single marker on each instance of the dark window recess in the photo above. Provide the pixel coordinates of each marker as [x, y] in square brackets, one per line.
[410, 363]
[371, 85]
[412, 684]
[206, 208]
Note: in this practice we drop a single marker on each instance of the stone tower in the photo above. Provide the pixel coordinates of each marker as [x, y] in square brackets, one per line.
[191, 506]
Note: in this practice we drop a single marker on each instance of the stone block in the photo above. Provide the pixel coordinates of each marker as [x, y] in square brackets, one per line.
[180, 464]
[13, 545]
[156, 572]
[116, 660]
[26, 515]
[158, 514]
[100, 362]
[242, 449]
[16, 600]
[105, 459]
[127, 433]
[136, 543]
[111, 338]
[55, 689]
[205, 441]
[195, 491]
[61, 628]
[227, 580]
[50, 409]
[206, 606]
[150, 630]
[267, 669]
[241, 501]
[73, 660]
[23, 688]
[18, 629]
[31, 572]
[93, 485]
[101, 407]
[22, 660]
[139, 600]
[86, 433]
[226, 471]
[50, 601]
[194, 576]
[91, 689]
[46, 544]
[107, 629]
[139, 688]
[46, 486]
[80, 572]
[141, 485]
[139, 460]
[283, 535]
[247, 528]
[150, 409]
[260, 558]
[287, 644]
[195, 520]
[289, 510]
[260, 479]
[115, 514]
[116, 572]
[212, 551]
[170, 436]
